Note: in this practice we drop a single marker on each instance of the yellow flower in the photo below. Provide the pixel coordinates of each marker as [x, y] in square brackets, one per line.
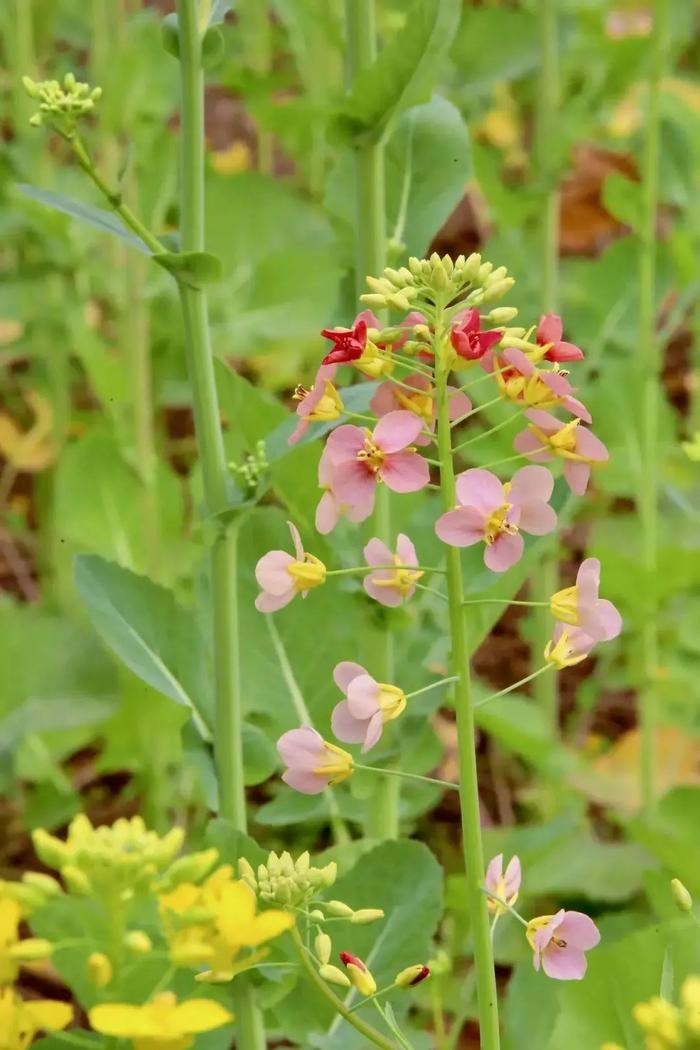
[20, 1021]
[162, 1024]
[12, 949]
[373, 363]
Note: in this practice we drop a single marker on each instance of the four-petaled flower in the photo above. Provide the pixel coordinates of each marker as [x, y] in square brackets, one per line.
[568, 646]
[548, 336]
[560, 941]
[505, 886]
[359, 459]
[524, 384]
[496, 512]
[391, 396]
[321, 404]
[468, 341]
[547, 437]
[581, 607]
[312, 763]
[395, 582]
[368, 704]
[348, 343]
[162, 1023]
[282, 576]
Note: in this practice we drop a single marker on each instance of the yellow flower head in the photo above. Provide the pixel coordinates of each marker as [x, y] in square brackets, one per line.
[20, 1021]
[13, 951]
[161, 1024]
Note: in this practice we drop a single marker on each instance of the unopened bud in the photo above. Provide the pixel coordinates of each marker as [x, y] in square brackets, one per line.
[497, 275]
[502, 315]
[46, 884]
[339, 910]
[51, 850]
[372, 299]
[323, 946]
[358, 973]
[30, 87]
[484, 272]
[365, 916]
[415, 266]
[303, 863]
[497, 289]
[99, 970]
[681, 895]
[76, 881]
[246, 872]
[138, 941]
[399, 301]
[31, 949]
[317, 915]
[334, 976]
[411, 976]
[190, 868]
[273, 864]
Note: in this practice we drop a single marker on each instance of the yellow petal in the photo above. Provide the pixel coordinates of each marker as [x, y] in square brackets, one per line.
[264, 927]
[200, 1015]
[238, 902]
[47, 1014]
[121, 1019]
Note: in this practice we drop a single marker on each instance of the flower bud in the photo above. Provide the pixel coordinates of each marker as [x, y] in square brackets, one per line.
[30, 87]
[498, 289]
[411, 976]
[339, 910]
[287, 865]
[317, 915]
[273, 864]
[681, 895]
[358, 973]
[373, 299]
[323, 947]
[51, 850]
[190, 868]
[502, 315]
[45, 884]
[30, 949]
[484, 272]
[497, 275]
[138, 941]
[303, 863]
[415, 266]
[76, 881]
[334, 976]
[399, 301]
[99, 970]
[365, 916]
[246, 873]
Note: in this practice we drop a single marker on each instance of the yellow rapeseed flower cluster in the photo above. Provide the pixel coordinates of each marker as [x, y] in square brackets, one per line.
[666, 1026]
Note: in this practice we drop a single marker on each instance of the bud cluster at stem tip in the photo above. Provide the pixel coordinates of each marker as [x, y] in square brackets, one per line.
[468, 279]
[281, 880]
[63, 105]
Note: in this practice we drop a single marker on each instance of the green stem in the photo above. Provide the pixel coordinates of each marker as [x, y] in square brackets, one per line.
[367, 1030]
[466, 733]
[474, 412]
[513, 459]
[516, 685]
[505, 904]
[223, 553]
[650, 360]
[375, 568]
[503, 601]
[547, 133]
[491, 430]
[402, 775]
[433, 685]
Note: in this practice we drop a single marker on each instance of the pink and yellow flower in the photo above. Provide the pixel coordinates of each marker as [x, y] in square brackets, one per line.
[391, 397]
[282, 575]
[368, 705]
[568, 646]
[549, 338]
[312, 762]
[496, 513]
[321, 404]
[396, 584]
[506, 885]
[580, 606]
[522, 383]
[560, 941]
[546, 438]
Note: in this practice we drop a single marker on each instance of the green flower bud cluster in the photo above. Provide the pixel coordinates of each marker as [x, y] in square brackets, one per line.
[122, 859]
[285, 881]
[63, 105]
[193, 867]
[33, 891]
[466, 279]
[250, 472]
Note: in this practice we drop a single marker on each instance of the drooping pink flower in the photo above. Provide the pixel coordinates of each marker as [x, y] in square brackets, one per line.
[568, 646]
[496, 512]
[521, 382]
[547, 437]
[367, 706]
[560, 941]
[312, 762]
[504, 886]
[549, 332]
[282, 576]
[468, 341]
[320, 404]
[391, 586]
[348, 343]
[392, 397]
[359, 459]
[581, 607]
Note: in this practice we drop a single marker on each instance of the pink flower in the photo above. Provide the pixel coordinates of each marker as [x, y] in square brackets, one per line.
[348, 343]
[495, 513]
[507, 886]
[359, 459]
[395, 585]
[468, 341]
[523, 383]
[312, 763]
[282, 576]
[549, 332]
[546, 437]
[568, 646]
[391, 397]
[368, 704]
[560, 941]
[320, 404]
[581, 607]
[330, 508]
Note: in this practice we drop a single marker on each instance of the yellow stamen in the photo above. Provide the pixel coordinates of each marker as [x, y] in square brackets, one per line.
[562, 654]
[371, 455]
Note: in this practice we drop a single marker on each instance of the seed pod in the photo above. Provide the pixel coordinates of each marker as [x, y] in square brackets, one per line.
[323, 947]
[365, 916]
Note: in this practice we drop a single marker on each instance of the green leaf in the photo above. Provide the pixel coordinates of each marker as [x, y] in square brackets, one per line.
[96, 217]
[405, 70]
[232, 843]
[154, 636]
[192, 268]
[623, 199]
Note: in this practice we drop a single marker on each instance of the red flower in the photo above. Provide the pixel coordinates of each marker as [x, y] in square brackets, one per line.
[348, 959]
[348, 343]
[468, 340]
[549, 331]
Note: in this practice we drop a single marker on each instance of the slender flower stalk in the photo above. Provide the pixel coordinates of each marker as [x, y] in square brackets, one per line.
[223, 553]
[546, 688]
[469, 784]
[650, 361]
[360, 16]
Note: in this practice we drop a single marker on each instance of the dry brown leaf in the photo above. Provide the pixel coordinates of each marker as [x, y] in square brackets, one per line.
[29, 450]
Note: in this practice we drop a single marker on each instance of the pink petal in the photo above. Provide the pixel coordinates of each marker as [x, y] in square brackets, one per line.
[296, 540]
[376, 552]
[396, 430]
[548, 423]
[528, 444]
[297, 434]
[305, 782]
[504, 552]
[269, 603]
[327, 513]
[405, 471]
[537, 519]
[345, 726]
[354, 484]
[461, 527]
[459, 404]
[271, 572]
[564, 964]
[494, 872]
[480, 489]
[513, 876]
[345, 442]
[301, 747]
[406, 550]
[588, 445]
[345, 671]
[531, 484]
[518, 360]
[384, 399]
[588, 582]
[549, 329]
[609, 620]
[576, 476]
[579, 930]
[363, 696]
[375, 728]
[577, 408]
[564, 351]
[390, 596]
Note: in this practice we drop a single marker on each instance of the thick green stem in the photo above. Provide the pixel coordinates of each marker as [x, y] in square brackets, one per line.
[650, 361]
[546, 688]
[223, 567]
[469, 784]
[370, 247]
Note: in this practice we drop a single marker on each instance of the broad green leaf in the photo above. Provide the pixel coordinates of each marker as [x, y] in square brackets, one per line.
[494, 45]
[97, 217]
[154, 636]
[404, 71]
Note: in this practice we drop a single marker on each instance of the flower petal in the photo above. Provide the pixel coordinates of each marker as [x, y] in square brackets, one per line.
[271, 572]
[505, 551]
[327, 513]
[345, 442]
[405, 472]
[579, 930]
[564, 964]
[346, 726]
[494, 872]
[576, 476]
[269, 603]
[345, 671]
[304, 781]
[461, 527]
[375, 728]
[396, 430]
[549, 329]
[376, 552]
[363, 696]
[481, 489]
[531, 484]
[296, 540]
[353, 483]
[405, 548]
